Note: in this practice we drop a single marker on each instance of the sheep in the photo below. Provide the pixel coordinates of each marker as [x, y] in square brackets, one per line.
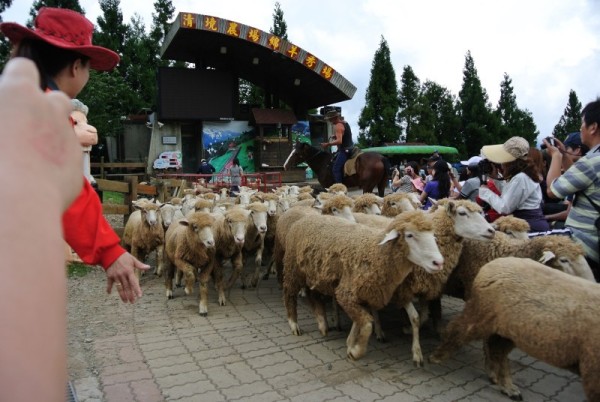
[367, 203]
[339, 206]
[374, 221]
[190, 247]
[453, 223]
[514, 227]
[144, 233]
[521, 303]
[395, 203]
[338, 189]
[559, 252]
[255, 239]
[305, 196]
[230, 234]
[203, 205]
[359, 266]
[167, 212]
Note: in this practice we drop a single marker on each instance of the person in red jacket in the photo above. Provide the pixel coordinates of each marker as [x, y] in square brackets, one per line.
[60, 44]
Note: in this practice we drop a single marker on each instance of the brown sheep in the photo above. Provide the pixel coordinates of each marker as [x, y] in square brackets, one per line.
[144, 233]
[521, 303]
[396, 203]
[190, 248]
[361, 267]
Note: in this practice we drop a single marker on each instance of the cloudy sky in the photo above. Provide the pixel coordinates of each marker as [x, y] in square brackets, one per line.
[547, 47]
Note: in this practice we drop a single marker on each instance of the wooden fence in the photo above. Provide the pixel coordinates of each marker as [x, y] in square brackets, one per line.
[131, 189]
[120, 169]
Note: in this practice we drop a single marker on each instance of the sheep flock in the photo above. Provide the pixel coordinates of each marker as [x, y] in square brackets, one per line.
[365, 253]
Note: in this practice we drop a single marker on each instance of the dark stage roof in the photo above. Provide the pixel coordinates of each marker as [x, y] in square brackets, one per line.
[290, 73]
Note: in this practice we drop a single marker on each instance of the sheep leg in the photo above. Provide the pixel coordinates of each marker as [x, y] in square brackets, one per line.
[189, 273]
[159, 260]
[257, 266]
[496, 349]
[217, 275]
[460, 331]
[203, 278]
[361, 319]
[379, 334]
[435, 307]
[277, 263]
[178, 277]
[238, 265]
[318, 308]
[290, 299]
[413, 315]
[169, 273]
[336, 322]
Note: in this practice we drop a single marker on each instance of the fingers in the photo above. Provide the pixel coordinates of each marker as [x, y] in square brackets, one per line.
[21, 68]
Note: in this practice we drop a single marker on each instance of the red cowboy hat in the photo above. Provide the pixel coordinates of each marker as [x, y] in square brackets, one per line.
[65, 29]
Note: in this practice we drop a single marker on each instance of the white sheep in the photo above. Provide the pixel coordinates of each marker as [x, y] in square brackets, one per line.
[521, 303]
[255, 240]
[144, 233]
[359, 266]
[396, 203]
[368, 203]
[230, 234]
[516, 228]
[453, 223]
[190, 248]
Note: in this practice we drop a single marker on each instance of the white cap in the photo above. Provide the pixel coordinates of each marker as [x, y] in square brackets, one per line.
[473, 161]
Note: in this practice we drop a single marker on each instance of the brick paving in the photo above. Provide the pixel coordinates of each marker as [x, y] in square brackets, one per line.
[244, 351]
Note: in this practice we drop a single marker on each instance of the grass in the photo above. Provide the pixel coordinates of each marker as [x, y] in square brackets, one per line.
[78, 269]
[111, 197]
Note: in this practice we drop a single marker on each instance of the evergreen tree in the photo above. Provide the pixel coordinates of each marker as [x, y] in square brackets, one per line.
[570, 121]
[111, 30]
[108, 97]
[513, 121]
[279, 27]
[139, 64]
[4, 42]
[477, 121]
[37, 4]
[377, 121]
[163, 13]
[408, 103]
[438, 121]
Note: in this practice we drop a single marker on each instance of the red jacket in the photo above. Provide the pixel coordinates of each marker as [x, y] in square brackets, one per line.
[87, 231]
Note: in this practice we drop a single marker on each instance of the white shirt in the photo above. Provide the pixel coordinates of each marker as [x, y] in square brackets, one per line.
[519, 193]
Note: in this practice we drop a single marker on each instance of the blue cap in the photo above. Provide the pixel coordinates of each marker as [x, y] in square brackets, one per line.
[573, 140]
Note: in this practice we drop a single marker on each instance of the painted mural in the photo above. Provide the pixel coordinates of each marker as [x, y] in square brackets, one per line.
[224, 141]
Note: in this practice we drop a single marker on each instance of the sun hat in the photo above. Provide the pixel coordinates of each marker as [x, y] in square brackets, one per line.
[573, 140]
[65, 29]
[331, 114]
[514, 148]
[473, 161]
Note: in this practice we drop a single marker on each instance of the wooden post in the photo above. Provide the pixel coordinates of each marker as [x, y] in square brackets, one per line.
[131, 196]
[102, 174]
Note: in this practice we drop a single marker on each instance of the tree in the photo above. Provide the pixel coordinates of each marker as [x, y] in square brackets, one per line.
[377, 121]
[438, 121]
[279, 27]
[570, 121]
[407, 101]
[4, 42]
[111, 31]
[513, 121]
[70, 4]
[477, 121]
[108, 97]
[163, 13]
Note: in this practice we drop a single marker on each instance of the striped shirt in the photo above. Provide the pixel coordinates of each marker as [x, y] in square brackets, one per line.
[583, 175]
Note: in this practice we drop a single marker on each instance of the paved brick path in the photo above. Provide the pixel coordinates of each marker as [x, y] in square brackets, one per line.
[163, 350]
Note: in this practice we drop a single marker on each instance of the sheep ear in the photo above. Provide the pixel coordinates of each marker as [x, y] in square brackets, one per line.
[184, 222]
[451, 208]
[547, 255]
[318, 206]
[391, 235]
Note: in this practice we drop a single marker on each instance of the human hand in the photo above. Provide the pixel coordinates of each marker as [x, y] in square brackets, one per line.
[122, 274]
[36, 128]
[552, 149]
[324, 144]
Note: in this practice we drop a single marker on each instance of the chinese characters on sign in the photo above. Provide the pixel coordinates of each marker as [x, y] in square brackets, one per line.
[188, 20]
[210, 23]
[274, 42]
[293, 51]
[233, 29]
[327, 72]
[253, 35]
[310, 61]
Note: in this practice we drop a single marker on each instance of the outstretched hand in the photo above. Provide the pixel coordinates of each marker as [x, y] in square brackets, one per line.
[122, 274]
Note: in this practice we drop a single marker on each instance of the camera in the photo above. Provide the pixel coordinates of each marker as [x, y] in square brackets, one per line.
[550, 140]
[485, 167]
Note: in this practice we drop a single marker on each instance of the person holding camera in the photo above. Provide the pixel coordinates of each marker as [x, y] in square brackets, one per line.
[521, 195]
[470, 188]
[409, 182]
[582, 179]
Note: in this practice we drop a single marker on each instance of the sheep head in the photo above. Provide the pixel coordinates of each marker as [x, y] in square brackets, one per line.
[149, 211]
[258, 216]
[413, 231]
[514, 227]
[200, 227]
[338, 205]
[467, 218]
[237, 220]
[563, 254]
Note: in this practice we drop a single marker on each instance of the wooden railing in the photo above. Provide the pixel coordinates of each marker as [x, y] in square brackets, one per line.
[109, 166]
